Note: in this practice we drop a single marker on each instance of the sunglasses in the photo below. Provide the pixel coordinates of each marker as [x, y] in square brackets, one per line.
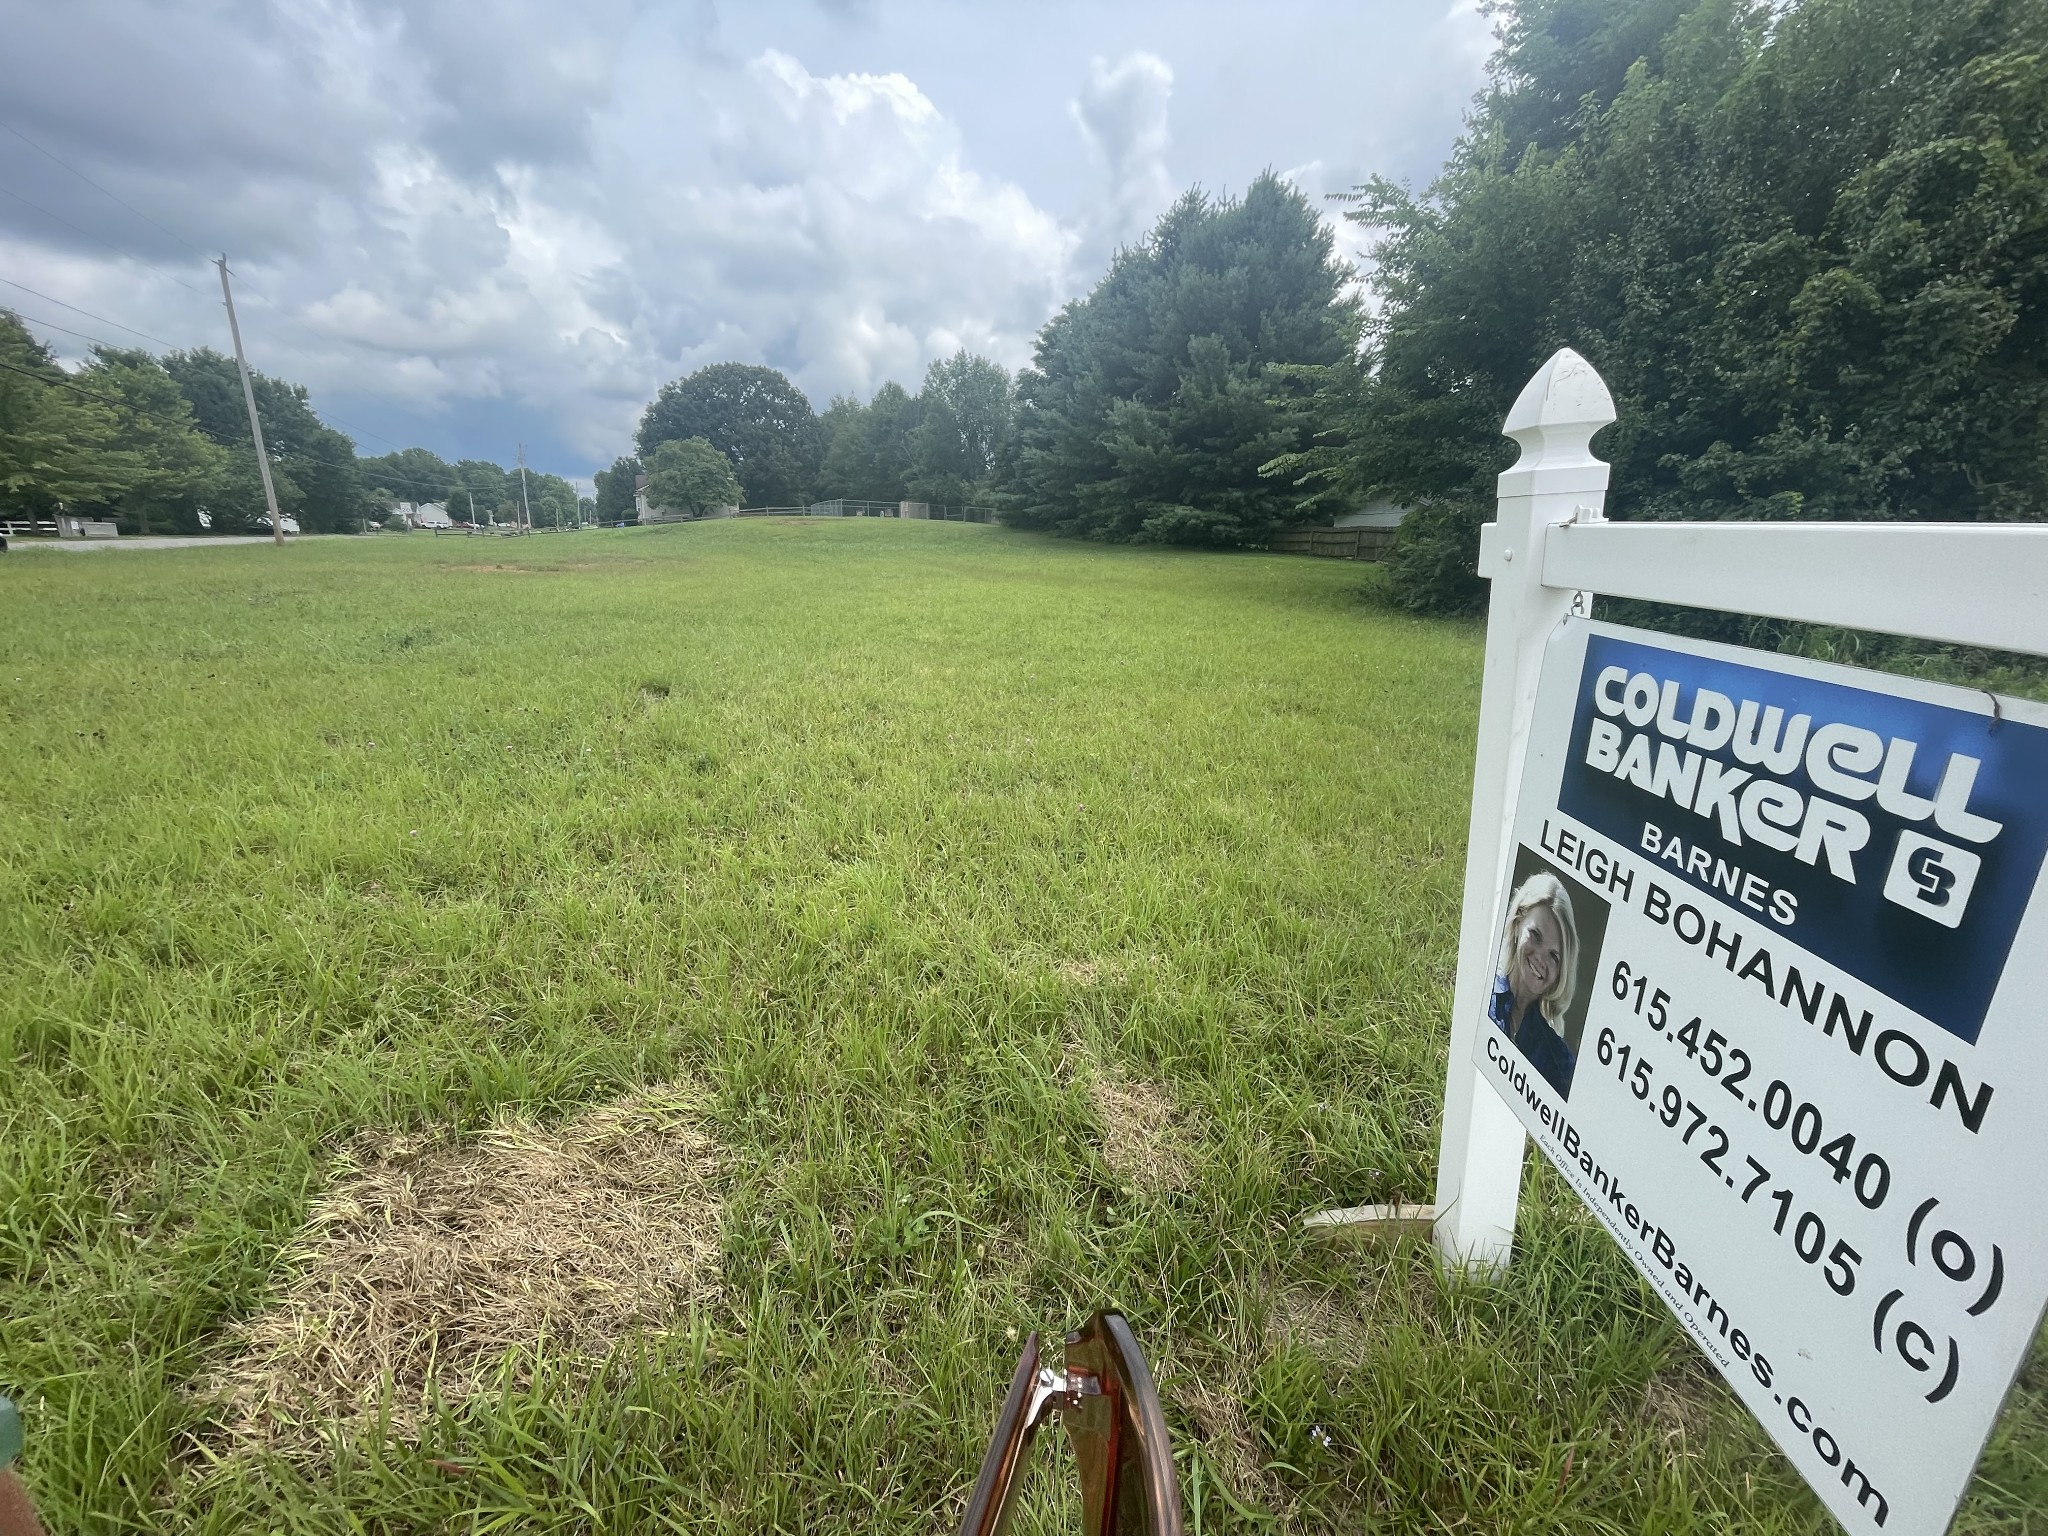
[1110, 1410]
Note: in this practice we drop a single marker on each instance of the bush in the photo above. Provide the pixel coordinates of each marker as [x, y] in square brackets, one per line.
[1434, 564]
[396, 523]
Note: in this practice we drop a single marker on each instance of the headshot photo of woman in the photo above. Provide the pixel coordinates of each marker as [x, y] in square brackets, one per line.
[1538, 975]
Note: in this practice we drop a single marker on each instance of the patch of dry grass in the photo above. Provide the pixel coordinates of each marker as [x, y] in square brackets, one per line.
[429, 1259]
[1323, 1321]
[1142, 1135]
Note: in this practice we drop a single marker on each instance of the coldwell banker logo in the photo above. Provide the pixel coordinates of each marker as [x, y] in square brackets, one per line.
[1897, 838]
[1648, 737]
[1931, 878]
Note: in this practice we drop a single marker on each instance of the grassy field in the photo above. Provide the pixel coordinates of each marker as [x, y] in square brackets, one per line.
[1007, 927]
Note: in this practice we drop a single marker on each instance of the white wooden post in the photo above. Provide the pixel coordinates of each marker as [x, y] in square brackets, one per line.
[1556, 481]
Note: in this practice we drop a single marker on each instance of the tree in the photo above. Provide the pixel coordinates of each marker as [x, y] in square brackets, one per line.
[57, 442]
[965, 416]
[870, 457]
[552, 499]
[325, 491]
[1806, 244]
[690, 476]
[615, 491]
[486, 486]
[754, 416]
[173, 467]
[414, 474]
[1154, 403]
[871, 452]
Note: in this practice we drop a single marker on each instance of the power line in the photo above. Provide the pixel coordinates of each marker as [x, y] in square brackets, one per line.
[192, 424]
[117, 250]
[103, 320]
[358, 462]
[74, 170]
[330, 421]
[51, 325]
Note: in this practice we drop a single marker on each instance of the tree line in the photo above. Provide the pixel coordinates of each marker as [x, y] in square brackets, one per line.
[1149, 413]
[1804, 241]
[950, 442]
[161, 444]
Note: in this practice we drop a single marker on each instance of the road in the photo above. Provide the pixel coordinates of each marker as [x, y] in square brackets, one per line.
[157, 541]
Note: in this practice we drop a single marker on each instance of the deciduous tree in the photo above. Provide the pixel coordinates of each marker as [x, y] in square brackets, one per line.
[57, 443]
[756, 417]
[175, 469]
[690, 476]
[1805, 243]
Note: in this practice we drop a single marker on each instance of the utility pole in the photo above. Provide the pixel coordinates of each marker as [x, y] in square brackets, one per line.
[249, 399]
[525, 508]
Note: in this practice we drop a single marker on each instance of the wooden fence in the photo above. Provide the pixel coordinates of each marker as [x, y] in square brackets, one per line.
[1333, 543]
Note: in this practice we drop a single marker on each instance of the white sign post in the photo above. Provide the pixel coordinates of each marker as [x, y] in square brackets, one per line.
[1753, 947]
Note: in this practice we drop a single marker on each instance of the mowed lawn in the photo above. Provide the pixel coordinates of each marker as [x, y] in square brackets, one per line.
[1023, 926]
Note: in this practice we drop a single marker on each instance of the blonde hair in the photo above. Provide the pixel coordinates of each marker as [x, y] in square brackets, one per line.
[1544, 889]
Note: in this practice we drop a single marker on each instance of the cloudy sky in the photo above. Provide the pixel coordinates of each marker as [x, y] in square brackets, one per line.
[470, 223]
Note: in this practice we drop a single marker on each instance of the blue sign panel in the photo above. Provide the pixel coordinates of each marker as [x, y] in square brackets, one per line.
[1897, 839]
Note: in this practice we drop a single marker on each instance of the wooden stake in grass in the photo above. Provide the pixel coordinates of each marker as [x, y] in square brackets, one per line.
[1371, 1223]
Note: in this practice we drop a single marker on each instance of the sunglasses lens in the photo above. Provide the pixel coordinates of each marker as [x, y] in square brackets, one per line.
[1119, 1436]
[1007, 1448]
[1106, 1402]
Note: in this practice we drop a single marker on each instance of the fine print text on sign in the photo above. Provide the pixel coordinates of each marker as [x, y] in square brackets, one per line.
[1768, 994]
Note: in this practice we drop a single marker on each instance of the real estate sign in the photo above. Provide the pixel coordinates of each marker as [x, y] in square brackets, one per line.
[1770, 994]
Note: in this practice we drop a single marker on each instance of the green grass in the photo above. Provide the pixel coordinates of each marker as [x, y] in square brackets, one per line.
[890, 838]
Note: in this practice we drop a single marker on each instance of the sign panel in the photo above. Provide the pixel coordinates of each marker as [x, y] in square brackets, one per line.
[1769, 994]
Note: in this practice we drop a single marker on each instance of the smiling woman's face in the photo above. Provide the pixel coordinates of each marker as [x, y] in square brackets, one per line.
[1539, 955]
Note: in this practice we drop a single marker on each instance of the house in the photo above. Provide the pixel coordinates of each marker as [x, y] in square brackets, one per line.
[1376, 514]
[424, 514]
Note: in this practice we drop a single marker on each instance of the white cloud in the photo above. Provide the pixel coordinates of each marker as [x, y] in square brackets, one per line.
[1123, 112]
[467, 220]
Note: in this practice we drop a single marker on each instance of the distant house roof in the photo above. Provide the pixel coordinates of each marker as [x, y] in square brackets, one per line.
[1375, 514]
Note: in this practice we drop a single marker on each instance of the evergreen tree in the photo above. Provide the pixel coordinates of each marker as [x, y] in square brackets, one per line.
[615, 502]
[1156, 402]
